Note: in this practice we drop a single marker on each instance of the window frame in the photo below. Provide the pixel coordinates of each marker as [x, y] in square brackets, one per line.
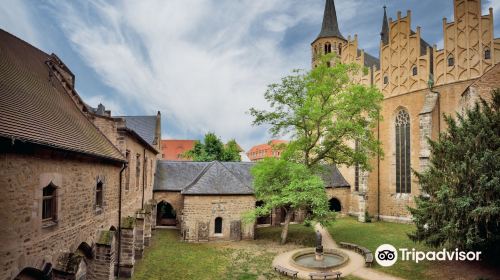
[99, 195]
[402, 126]
[49, 220]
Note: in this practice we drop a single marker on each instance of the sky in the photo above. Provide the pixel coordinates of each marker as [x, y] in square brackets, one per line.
[202, 63]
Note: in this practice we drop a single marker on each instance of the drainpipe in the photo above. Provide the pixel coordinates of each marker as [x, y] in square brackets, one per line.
[378, 171]
[124, 166]
[143, 177]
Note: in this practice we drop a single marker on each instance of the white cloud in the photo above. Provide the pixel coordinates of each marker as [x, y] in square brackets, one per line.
[197, 62]
[17, 20]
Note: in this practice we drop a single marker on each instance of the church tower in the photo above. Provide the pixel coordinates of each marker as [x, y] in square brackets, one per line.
[329, 39]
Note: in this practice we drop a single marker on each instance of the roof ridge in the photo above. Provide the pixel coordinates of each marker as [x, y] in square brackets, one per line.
[190, 185]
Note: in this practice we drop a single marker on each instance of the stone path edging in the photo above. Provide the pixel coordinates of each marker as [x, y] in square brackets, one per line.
[355, 266]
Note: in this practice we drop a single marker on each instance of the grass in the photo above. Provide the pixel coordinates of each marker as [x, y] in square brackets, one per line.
[168, 258]
[371, 235]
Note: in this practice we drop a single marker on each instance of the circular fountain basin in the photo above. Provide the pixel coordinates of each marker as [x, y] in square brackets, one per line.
[331, 259]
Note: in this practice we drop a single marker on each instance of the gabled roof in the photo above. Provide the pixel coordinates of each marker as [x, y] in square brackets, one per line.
[216, 179]
[144, 126]
[330, 26]
[220, 178]
[34, 106]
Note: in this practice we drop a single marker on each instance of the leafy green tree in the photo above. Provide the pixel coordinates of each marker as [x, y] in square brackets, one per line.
[212, 149]
[325, 111]
[460, 207]
[289, 186]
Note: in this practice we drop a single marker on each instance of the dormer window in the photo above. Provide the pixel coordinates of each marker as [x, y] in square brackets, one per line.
[414, 70]
[451, 60]
[487, 53]
[328, 48]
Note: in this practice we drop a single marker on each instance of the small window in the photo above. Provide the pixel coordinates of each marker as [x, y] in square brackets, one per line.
[386, 80]
[49, 204]
[340, 49]
[98, 195]
[414, 70]
[328, 48]
[137, 170]
[487, 53]
[451, 60]
[218, 225]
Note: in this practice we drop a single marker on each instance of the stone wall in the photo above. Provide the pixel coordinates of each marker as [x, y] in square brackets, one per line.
[200, 213]
[174, 198]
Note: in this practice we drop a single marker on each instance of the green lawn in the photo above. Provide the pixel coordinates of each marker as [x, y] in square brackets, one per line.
[371, 235]
[168, 258]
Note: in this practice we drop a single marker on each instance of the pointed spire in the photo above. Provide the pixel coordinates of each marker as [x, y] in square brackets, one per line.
[384, 34]
[330, 27]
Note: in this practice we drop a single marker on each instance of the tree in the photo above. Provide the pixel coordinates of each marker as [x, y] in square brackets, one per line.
[325, 110]
[212, 149]
[289, 186]
[460, 205]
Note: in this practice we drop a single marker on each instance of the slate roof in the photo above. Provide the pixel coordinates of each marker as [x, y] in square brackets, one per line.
[330, 26]
[34, 106]
[144, 126]
[216, 178]
[384, 33]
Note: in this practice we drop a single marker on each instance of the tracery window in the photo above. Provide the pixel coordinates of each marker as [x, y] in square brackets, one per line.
[403, 169]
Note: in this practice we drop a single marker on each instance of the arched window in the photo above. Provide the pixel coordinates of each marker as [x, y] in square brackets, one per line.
[386, 80]
[49, 204]
[414, 70]
[451, 60]
[403, 169]
[487, 53]
[98, 195]
[328, 48]
[218, 225]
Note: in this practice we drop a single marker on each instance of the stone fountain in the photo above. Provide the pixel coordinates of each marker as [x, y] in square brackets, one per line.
[319, 259]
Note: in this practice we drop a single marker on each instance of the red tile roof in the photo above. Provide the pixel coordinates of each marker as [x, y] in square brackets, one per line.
[172, 149]
[261, 151]
[36, 108]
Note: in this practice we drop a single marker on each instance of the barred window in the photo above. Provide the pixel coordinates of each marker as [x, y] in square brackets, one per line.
[403, 169]
[49, 204]
[218, 225]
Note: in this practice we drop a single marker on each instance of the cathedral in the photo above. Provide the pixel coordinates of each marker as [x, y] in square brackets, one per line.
[419, 83]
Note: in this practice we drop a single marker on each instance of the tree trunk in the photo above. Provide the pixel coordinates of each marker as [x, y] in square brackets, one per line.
[284, 231]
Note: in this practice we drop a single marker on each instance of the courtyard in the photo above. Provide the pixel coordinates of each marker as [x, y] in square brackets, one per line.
[169, 258]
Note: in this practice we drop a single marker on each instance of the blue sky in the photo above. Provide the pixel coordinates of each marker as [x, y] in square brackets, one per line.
[203, 64]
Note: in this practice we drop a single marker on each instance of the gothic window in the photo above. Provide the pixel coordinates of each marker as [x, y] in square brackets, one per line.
[487, 53]
[49, 204]
[403, 169]
[218, 225]
[386, 80]
[98, 195]
[414, 70]
[328, 48]
[451, 60]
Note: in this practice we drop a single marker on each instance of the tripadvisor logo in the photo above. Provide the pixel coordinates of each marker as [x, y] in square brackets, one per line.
[387, 255]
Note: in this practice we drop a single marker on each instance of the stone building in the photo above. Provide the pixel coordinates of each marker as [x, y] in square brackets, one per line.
[420, 83]
[173, 149]
[206, 200]
[69, 174]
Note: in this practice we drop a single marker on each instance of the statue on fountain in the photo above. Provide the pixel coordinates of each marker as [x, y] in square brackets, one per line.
[319, 246]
